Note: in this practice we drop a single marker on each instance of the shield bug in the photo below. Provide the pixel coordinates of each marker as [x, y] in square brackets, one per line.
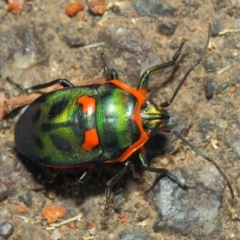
[100, 123]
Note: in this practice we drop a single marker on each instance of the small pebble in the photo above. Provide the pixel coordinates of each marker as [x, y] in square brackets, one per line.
[74, 42]
[6, 229]
[97, 6]
[209, 88]
[166, 29]
[56, 235]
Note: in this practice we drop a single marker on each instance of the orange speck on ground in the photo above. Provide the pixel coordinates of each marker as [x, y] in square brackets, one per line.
[122, 218]
[73, 8]
[52, 213]
[72, 225]
[8, 206]
[21, 207]
[92, 224]
[134, 15]
[15, 6]
[233, 89]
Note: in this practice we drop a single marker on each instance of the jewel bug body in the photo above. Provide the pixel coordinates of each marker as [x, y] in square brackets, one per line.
[82, 125]
[99, 123]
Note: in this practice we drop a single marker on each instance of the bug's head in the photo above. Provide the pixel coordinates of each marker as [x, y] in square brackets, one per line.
[153, 117]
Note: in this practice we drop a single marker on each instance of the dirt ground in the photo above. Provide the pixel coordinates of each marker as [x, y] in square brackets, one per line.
[40, 43]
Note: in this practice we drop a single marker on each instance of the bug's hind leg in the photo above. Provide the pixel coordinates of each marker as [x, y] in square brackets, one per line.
[61, 81]
[114, 180]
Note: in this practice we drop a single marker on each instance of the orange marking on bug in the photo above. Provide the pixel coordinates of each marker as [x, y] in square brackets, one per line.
[91, 139]
[142, 91]
[88, 104]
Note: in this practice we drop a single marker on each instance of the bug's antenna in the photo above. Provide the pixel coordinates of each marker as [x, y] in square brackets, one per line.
[167, 103]
[207, 158]
[203, 156]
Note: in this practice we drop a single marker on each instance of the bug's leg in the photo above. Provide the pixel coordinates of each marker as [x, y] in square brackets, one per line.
[84, 170]
[82, 176]
[114, 180]
[203, 156]
[162, 171]
[110, 75]
[143, 84]
[63, 82]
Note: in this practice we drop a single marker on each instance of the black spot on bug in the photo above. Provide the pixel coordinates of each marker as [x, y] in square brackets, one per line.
[36, 116]
[57, 108]
[38, 142]
[61, 144]
[47, 127]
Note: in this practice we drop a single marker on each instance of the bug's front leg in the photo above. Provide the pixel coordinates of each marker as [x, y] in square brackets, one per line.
[113, 73]
[143, 83]
[163, 172]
